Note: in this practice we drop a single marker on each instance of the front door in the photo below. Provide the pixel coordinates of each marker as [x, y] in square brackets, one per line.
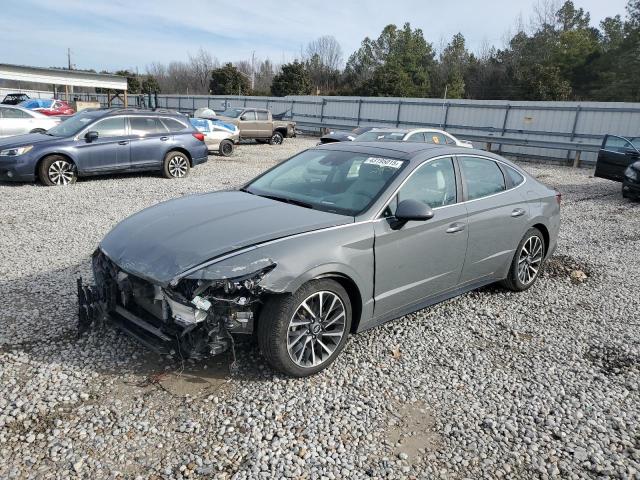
[110, 151]
[423, 258]
[497, 219]
[149, 139]
[15, 122]
[615, 155]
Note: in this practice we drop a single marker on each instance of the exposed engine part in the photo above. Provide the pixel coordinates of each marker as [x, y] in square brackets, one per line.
[195, 317]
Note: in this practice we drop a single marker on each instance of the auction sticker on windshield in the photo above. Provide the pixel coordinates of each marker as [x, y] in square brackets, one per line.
[383, 162]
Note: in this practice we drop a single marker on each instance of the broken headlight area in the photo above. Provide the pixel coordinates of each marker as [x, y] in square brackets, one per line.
[196, 317]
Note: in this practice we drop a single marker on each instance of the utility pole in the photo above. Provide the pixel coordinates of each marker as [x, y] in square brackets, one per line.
[69, 57]
[253, 70]
[67, 90]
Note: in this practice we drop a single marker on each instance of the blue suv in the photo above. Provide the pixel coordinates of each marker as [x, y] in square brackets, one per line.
[96, 142]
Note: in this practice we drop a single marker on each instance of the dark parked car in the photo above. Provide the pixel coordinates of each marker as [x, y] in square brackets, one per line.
[14, 98]
[343, 135]
[96, 142]
[336, 240]
[615, 156]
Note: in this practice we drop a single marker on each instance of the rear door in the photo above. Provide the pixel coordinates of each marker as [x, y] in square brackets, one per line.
[264, 124]
[497, 218]
[615, 155]
[15, 122]
[110, 151]
[248, 125]
[149, 139]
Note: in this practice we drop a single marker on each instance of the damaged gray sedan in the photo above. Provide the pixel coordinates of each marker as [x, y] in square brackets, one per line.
[335, 240]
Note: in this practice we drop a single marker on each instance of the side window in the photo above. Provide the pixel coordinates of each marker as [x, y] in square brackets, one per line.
[449, 140]
[146, 125]
[109, 127]
[435, 137]
[262, 115]
[617, 144]
[13, 113]
[433, 183]
[416, 137]
[173, 125]
[515, 177]
[482, 177]
[248, 116]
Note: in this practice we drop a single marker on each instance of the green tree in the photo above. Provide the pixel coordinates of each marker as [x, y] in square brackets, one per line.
[150, 85]
[293, 79]
[228, 80]
[454, 63]
[369, 70]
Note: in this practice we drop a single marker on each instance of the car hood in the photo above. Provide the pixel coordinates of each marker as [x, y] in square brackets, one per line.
[27, 139]
[165, 240]
[339, 135]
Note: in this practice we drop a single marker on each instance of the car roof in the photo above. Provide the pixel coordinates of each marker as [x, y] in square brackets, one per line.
[107, 112]
[417, 151]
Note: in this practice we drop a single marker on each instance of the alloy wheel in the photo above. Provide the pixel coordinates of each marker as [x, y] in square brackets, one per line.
[227, 148]
[178, 166]
[530, 260]
[276, 140]
[61, 172]
[316, 329]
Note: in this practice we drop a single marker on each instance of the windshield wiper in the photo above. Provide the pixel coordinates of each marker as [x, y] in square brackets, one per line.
[291, 201]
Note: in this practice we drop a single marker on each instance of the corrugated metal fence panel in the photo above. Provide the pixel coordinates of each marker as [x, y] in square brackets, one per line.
[585, 122]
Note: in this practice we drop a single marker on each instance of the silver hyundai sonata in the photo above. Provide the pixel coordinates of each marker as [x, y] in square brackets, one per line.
[333, 241]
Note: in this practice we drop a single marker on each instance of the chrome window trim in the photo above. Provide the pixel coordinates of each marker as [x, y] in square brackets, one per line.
[377, 216]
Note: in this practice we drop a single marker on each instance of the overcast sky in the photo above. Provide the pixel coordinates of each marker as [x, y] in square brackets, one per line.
[118, 34]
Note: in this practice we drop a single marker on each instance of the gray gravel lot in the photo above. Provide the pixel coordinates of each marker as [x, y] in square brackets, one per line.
[544, 383]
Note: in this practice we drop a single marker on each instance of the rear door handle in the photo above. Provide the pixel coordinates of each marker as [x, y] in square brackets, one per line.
[455, 228]
[164, 139]
[123, 142]
[518, 212]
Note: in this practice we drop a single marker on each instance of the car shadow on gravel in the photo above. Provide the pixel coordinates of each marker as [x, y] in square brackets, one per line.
[38, 317]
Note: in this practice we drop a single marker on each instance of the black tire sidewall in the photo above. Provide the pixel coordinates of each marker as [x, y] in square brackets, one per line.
[223, 143]
[513, 280]
[165, 164]
[43, 170]
[273, 326]
[274, 136]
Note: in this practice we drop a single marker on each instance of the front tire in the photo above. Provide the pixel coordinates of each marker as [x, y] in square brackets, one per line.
[38, 130]
[226, 148]
[302, 333]
[176, 165]
[276, 139]
[527, 262]
[57, 170]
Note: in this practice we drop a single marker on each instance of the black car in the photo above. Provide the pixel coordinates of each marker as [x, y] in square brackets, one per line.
[616, 155]
[631, 181]
[343, 135]
[15, 98]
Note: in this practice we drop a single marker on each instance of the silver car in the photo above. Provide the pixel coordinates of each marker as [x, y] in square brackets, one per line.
[333, 241]
[18, 121]
[427, 135]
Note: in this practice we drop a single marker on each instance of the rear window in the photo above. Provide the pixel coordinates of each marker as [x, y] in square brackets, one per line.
[146, 125]
[262, 115]
[515, 177]
[174, 125]
[483, 177]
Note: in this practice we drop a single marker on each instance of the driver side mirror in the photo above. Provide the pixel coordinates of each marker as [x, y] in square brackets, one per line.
[243, 117]
[91, 136]
[411, 210]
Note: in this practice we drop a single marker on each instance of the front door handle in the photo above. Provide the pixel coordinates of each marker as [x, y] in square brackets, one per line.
[518, 212]
[164, 139]
[123, 142]
[455, 228]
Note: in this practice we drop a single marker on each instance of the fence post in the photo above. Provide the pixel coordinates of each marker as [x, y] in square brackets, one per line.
[446, 115]
[504, 124]
[268, 102]
[398, 114]
[573, 133]
[293, 102]
[576, 160]
[322, 112]
[359, 109]
[179, 103]
[245, 101]
[194, 104]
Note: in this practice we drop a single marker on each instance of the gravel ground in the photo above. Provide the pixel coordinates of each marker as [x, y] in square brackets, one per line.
[492, 384]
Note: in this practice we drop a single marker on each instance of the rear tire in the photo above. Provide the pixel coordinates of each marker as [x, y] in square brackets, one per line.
[38, 130]
[527, 262]
[56, 170]
[297, 343]
[176, 165]
[276, 139]
[226, 148]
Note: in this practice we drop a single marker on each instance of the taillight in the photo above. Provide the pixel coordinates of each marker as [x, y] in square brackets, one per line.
[558, 198]
[199, 136]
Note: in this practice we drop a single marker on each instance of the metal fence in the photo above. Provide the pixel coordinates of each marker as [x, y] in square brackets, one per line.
[580, 123]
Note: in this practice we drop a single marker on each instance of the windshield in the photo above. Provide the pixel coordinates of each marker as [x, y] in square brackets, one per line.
[381, 136]
[232, 112]
[72, 125]
[333, 181]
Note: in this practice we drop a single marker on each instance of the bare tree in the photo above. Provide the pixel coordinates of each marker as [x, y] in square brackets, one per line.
[202, 63]
[323, 58]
